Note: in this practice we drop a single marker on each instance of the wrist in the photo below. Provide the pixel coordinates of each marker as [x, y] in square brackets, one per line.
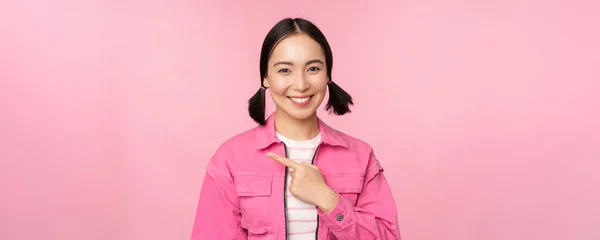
[328, 201]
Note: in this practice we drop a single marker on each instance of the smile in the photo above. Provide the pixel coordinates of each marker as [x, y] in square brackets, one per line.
[301, 101]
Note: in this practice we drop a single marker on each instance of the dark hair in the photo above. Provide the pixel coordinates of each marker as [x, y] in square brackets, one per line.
[339, 100]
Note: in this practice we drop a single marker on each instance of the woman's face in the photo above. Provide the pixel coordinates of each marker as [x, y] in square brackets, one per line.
[297, 76]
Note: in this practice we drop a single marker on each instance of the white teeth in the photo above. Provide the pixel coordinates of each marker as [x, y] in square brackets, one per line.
[300, 100]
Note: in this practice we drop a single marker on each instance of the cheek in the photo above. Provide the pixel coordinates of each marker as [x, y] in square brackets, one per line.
[278, 87]
[321, 87]
[278, 91]
[320, 84]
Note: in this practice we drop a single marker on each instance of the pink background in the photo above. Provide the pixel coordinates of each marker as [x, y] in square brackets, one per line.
[485, 114]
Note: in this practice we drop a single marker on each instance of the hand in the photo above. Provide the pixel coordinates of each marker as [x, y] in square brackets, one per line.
[308, 184]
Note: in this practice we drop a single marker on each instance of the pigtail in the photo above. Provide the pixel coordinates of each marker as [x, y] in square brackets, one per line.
[256, 106]
[339, 100]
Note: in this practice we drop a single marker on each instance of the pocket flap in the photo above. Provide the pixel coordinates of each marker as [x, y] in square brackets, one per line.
[345, 183]
[249, 185]
[260, 230]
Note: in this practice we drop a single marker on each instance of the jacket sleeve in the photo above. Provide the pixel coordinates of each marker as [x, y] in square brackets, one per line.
[375, 214]
[218, 213]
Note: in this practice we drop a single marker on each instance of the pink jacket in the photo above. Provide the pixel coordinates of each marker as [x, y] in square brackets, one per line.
[242, 195]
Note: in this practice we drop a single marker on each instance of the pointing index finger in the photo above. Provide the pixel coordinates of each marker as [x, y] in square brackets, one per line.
[283, 160]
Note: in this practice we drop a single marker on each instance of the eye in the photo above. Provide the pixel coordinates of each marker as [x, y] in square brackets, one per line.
[283, 70]
[314, 69]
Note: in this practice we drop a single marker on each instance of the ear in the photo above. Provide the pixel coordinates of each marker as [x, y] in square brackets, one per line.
[266, 82]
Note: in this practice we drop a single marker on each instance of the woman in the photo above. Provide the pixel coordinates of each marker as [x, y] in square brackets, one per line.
[294, 177]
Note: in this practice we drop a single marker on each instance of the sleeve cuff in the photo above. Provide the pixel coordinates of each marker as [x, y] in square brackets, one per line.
[340, 217]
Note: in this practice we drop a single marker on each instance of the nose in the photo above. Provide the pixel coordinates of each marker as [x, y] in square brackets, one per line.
[300, 83]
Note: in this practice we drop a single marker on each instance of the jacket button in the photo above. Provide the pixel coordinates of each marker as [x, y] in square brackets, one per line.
[339, 217]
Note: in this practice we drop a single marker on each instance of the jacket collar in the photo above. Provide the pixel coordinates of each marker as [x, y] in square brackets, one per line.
[265, 135]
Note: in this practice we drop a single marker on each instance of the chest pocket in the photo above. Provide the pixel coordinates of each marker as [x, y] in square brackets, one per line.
[347, 185]
[254, 192]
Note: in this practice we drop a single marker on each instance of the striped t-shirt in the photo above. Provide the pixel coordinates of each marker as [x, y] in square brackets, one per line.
[301, 216]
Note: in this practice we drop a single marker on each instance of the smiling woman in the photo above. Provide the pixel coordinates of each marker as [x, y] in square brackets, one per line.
[297, 77]
[297, 51]
[293, 176]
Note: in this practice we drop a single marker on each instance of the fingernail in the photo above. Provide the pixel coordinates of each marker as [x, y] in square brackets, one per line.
[270, 154]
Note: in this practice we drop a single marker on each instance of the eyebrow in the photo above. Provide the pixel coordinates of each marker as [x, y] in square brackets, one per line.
[290, 63]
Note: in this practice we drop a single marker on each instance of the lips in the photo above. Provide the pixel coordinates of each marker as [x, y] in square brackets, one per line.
[301, 100]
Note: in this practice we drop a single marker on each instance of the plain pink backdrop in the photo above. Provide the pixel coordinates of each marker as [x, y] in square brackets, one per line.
[485, 114]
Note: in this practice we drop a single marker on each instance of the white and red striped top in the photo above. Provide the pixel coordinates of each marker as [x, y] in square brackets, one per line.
[301, 216]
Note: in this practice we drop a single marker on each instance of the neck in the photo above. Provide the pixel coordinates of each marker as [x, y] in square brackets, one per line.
[296, 129]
